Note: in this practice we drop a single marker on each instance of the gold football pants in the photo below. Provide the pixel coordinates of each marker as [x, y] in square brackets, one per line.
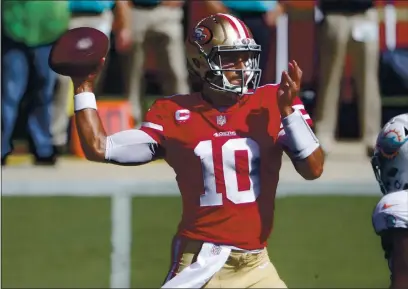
[241, 270]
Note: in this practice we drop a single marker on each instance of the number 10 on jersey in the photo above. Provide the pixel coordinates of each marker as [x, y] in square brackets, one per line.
[242, 151]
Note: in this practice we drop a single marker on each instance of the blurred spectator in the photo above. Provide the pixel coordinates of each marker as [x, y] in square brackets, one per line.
[348, 24]
[29, 29]
[158, 23]
[98, 15]
[259, 16]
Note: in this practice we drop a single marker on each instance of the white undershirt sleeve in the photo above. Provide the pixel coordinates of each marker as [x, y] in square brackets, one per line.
[130, 147]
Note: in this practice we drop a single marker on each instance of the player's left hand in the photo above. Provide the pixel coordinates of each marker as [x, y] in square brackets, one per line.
[289, 88]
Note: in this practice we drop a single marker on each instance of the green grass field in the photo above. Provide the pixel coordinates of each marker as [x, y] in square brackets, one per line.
[319, 242]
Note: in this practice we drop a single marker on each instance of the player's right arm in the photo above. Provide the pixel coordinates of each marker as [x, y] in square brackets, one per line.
[130, 147]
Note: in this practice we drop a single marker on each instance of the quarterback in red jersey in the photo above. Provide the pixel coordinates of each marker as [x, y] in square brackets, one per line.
[225, 144]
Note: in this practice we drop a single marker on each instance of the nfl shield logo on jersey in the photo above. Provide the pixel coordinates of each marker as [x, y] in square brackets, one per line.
[221, 120]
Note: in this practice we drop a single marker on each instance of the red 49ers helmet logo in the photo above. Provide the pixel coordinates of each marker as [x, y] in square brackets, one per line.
[202, 35]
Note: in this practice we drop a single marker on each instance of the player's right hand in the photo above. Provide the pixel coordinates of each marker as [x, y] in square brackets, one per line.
[289, 88]
[86, 83]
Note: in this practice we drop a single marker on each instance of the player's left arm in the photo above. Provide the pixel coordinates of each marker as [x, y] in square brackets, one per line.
[300, 144]
[296, 136]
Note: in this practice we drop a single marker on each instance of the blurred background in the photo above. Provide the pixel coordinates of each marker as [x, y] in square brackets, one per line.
[65, 221]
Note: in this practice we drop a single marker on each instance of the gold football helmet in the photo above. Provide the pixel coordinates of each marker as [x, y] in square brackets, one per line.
[214, 47]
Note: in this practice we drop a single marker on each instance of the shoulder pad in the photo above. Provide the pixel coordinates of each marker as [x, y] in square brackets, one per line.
[391, 212]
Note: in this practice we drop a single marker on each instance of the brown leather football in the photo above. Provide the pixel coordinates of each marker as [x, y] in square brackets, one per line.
[78, 52]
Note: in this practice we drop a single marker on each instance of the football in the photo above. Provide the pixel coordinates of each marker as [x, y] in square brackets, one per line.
[78, 52]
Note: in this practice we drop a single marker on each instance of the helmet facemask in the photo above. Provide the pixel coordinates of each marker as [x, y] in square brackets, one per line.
[218, 63]
[376, 165]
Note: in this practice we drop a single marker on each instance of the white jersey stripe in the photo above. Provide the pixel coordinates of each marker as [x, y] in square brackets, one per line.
[152, 125]
[298, 106]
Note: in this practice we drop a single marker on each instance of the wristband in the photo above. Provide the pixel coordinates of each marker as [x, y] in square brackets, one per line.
[302, 142]
[84, 100]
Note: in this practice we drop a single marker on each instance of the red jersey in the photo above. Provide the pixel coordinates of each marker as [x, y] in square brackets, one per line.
[226, 163]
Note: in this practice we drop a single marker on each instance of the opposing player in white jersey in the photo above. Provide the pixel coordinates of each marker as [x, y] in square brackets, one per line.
[390, 217]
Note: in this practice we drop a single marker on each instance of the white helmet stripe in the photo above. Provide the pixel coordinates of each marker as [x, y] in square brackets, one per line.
[237, 24]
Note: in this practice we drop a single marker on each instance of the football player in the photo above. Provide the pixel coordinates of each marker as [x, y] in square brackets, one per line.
[390, 217]
[225, 144]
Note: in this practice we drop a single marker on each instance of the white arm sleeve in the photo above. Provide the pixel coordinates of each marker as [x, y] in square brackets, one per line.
[130, 147]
